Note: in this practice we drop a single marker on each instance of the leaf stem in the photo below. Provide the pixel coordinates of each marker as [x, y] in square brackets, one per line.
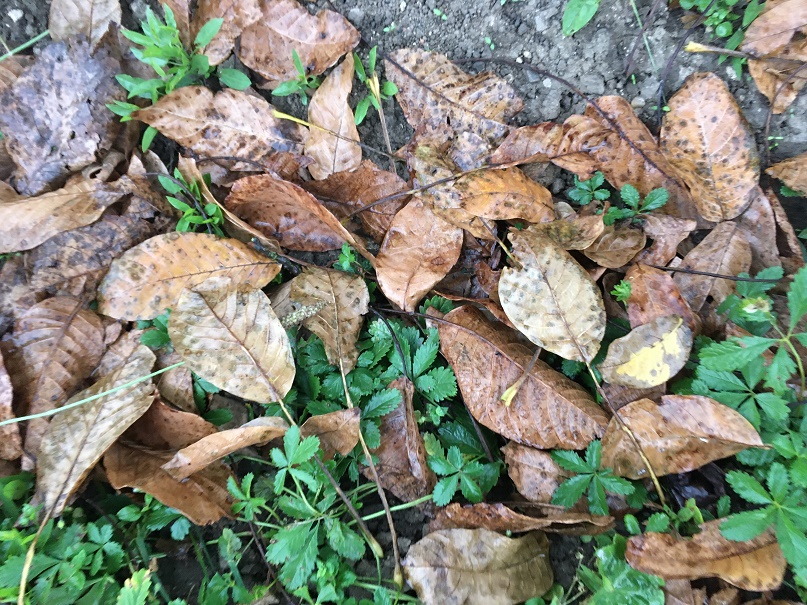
[403, 506]
[25, 45]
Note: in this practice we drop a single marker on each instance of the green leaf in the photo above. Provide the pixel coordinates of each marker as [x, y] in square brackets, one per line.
[284, 89]
[295, 550]
[443, 384]
[455, 457]
[594, 454]
[359, 67]
[778, 482]
[445, 490]
[136, 589]
[734, 353]
[658, 522]
[797, 297]
[389, 89]
[382, 403]
[630, 196]
[655, 200]
[441, 466]
[748, 488]
[306, 450]
[570, 491]
[208, 32]
[298, 64]
[234, 78]
[470, 489]
[747, 525]
[792, 540]
[425, 355]
[617, 485]
[344, 540]
[571, 461]
[577, 14]
[597, 502]
[155, 338]
[361, 110]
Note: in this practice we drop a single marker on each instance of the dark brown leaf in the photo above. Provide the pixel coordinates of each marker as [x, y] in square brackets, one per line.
[534, 473]
[654, 294]
[338, 432]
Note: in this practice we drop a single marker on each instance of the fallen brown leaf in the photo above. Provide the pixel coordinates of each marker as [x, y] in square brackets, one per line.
[616, 246]
[775, 27]
[237, 16]
[534, 473]
[547, 142]
[176, 385]
[666, 232]
[781, 86]
[792, 172]
[680, 434]
[164, 428]
[10, 442]
[90, 18]
[338, 431]
[654, 294]
[478, 567]
[573, 233]
[548, 411]
[758, 223]
[786, 239]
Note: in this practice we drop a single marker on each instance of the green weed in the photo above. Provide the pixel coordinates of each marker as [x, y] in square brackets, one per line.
[301, 85]
[378, 91]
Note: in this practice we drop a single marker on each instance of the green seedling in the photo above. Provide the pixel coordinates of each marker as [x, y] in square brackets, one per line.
[634, 205]
[456, 470]
[197, 215]
[389, 28]
[621, 291]
[301, 85]
[155, 335]
[440, 14]
[377, 91]
[577, 14]
[585, 192]
[489, 43]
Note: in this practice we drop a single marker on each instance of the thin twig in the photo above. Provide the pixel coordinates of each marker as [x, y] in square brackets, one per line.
[717, 275]
[629, 63]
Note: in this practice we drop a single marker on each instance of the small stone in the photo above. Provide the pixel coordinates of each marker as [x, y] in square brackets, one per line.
[547, 83]
[532, 76]
[355, 15]
[527, 54]
[522, 29]
[15, 14]
[403, 5]
[519, 60]
[638, 103]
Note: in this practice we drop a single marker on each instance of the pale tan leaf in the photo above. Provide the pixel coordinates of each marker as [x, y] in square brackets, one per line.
[176, 385]
[758, 223]
[345, 298]
[89, 18]
[654, 294]
[28, 222]
[616, 246]
[267, 45]
[337, 431]
[10, 442]
[681, 434]
[164, 428]
[705, 137]
[478, 567]
[756, 565]
[203, 498]
[792, 172]
[650, 354]
[197, 456]
[148, 279]
[666, 232]
[781, 86]
[329, 109]
[544, 142]
[548, 411]
[231, 123]
[504, 194]
[418, 251]
[237, 16]
[574, 233]
[10, 70]
[551, 299]
[775, 27]
[230, 336]
[534, 473]
[77, 438]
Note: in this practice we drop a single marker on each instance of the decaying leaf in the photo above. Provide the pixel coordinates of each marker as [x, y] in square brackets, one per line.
[432, 90]
[666, 232]
[28, 222]
[77, 438]
[705, 137]
[229, 335]
[90, 18]
[401, 465]
[534, 473]
[164, 428]
[199, 455]
[758, 222]
[149, 278]
[616, 246]
[338, 322]
[54, 117]
[680, 434]
[786, 240]
[418, 251]
[551, 299]
[574, 233]
[775, 27]
[338, 431]
[203, 498]
[237, 16]
[548, 411]
[231, 123]
[755, 565]
[267, 45]
[654, 294]
[10, 442]
[546, 142]
[650, 354]
[478, 567]
[792, 172]
[782, 79]
[330, 110]
[175, 386]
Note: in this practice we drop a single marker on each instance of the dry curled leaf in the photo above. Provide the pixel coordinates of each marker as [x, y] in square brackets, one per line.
[545, 142]
[616, 246]
[229, 335]
[706, 138]
[149, 278]
[534, 473]
[338, 432]
[548, 411]
[551, 299]
[756, 565]
[680, 434]
[781, 79]
[478, 567]
[89, 18]
[654, 294]
[418, 251]
[758, 223]
[345, 300]
[203, 498]
[10, 443]
[775, 27]
[267, 45]
[164, 428]
[573, 233]
[666, 232]
[237, 15]
[330, 110]
[77, 438]
[792, 172]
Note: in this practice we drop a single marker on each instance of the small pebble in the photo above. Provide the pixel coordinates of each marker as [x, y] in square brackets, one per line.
[638, 103]
[15, 14]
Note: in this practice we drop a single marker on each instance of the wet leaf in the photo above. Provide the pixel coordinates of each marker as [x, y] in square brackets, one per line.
[534, 473]
[666, 232]
[164, 428]
[54, 117]
[77, 438]
[197, 456]
[758, 223]
[432, 91]
[149, 278]
[337, 431]
[401, 464]
[329, 109]
[551, 299]
[90, 18]
[548, 411]
[230, 124]
[175, 386]
[705, 137]
[418, 251]
[267, 45]
[775, 27]
[792, 172]
[574, 233]
[10, 442]
[237, 16]
[478, 567]
[203, 497]
[681, 434]
[616, 246]
[654, 294]
[338, 322]
[755, 565]
[229, 335]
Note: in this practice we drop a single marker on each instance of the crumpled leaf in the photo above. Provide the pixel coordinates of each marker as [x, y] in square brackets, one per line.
[330, 110]
[149, 278]
[705, 137]
[10, 442]
[573, 233]
[551, 299]
[756, 565]
[666, 232]
[650, 354]
[478, 567]
[90, 18]
[680, 434]
[654, 294]
[432, 91]
[548, 411]
[547, 142]
[229, 335]
[534, 473]
[231, 123]
[418, 251]
[786, 239]
[345, 298]
[616, 246]
[203, 498]
[164, 428]
[267, 45]
[781, 86]
[16, 294]
[775, 27]
[28, 222]
[792, 172]
[401, 464]
[758, 222]
[197, 456]
[54, 117]
[77, 438]
[338, 432]
[237, 16]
